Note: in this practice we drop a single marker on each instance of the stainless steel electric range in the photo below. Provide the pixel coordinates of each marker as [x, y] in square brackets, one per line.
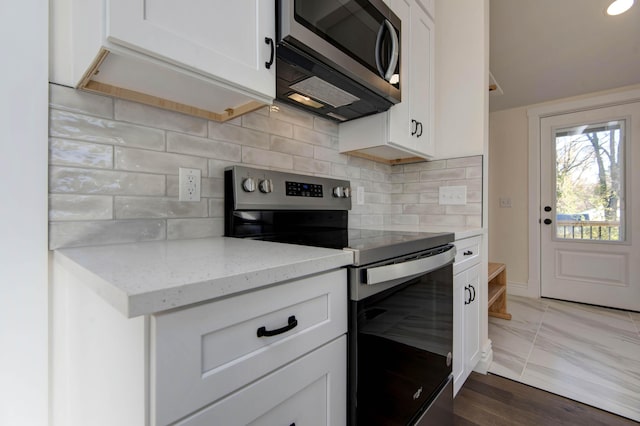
[400, 288]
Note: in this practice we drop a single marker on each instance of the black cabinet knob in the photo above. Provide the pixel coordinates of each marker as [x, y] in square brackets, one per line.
[547, 208]
[547, 221]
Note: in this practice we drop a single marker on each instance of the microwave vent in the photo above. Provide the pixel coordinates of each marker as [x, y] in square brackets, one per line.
[315, 87]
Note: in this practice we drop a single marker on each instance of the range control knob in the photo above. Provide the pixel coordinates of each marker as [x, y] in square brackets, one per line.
[249, 185]
[342, 192]
[266, 186]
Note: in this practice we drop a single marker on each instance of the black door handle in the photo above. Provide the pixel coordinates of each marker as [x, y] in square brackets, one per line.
[473, 297]
[420, 132]
[547, 221]
[467, 300]
[292, 323]
[269, 41]
[547, 208]
[414, 127]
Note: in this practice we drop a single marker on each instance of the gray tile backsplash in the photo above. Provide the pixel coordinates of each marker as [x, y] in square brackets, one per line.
[113, 171]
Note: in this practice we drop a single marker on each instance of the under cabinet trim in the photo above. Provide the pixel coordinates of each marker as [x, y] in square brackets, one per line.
[89, 85]
[385, 160]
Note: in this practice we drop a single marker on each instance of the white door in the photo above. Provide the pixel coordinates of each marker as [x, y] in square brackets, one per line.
[222, 39]
[590, 206]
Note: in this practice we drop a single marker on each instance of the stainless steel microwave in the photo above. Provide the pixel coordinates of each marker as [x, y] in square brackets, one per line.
[338, 58]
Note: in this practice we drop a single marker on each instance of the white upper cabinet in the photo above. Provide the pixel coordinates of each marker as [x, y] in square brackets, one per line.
[201, 57]
[405, 132]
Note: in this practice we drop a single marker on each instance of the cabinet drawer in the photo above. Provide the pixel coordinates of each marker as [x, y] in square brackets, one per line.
[467, 253]
[310, 391]
[203, 353]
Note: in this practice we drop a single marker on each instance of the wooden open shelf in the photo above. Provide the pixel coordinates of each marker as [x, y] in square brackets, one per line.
[497, 298]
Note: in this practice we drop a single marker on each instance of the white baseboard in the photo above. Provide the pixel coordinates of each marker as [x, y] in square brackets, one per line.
[486, 358]
[523, 289]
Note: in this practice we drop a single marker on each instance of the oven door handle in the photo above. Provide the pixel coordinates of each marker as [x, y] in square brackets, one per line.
[381, 274]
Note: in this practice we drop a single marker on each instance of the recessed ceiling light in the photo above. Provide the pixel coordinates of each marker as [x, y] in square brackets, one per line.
[619, 6]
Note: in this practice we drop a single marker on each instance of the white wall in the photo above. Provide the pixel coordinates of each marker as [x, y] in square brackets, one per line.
[508, 178]
[23, 212]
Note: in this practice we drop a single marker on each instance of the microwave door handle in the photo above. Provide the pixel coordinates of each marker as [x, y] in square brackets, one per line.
[394, 51]
[381, 274]
[393, 60]
[377, 49]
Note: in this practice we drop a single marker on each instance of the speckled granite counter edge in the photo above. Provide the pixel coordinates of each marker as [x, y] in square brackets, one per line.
[186, 292]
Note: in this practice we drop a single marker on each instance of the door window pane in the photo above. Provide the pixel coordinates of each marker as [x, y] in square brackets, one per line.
[589, 164]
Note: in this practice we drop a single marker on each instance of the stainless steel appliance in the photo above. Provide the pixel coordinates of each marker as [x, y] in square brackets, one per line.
[400, 288]
[338, 58]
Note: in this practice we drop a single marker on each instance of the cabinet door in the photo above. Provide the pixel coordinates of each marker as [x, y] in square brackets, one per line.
[220, 39]
[309, 391]
[472, 320]
[421, 81]
[400, 114]
[466, 324]
[411, 121]
[459, 298]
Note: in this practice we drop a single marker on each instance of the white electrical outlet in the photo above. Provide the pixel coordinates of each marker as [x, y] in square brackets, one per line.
[189, 184]
[452, 195]
[360, 195]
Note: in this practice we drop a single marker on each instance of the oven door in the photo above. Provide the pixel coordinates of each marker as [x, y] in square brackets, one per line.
[401, 343]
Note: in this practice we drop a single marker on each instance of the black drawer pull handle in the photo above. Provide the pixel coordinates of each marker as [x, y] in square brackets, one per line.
[292, 323]
[468, 253]
[467, 300]
[472, 289]
[269, 41]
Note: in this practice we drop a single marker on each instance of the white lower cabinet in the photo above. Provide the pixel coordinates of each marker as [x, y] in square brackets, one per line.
[276, 355]
[466, 309]
[203, 353]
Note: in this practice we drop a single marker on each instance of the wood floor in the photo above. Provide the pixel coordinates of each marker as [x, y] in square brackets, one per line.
[496, 401]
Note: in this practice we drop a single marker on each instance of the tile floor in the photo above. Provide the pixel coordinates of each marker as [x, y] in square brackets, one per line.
[586, 353]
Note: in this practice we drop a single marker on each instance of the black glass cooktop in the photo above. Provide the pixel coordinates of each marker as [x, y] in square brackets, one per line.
[371, 245]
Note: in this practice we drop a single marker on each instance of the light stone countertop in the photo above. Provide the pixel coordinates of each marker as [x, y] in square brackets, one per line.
[151, 277]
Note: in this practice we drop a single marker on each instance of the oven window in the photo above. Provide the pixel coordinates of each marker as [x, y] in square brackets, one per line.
[337, 22]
